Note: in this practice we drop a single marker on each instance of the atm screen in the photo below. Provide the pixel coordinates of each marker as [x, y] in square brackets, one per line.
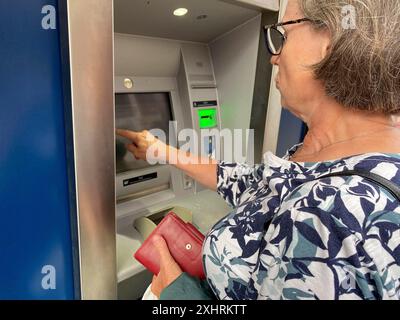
[137, 112]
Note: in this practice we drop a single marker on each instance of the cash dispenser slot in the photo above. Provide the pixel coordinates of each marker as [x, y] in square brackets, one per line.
[146, 225]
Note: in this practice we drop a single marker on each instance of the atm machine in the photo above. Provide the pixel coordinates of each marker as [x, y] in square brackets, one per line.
[205, 70]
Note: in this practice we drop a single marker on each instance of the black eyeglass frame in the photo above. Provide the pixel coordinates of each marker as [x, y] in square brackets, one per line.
[284, 37]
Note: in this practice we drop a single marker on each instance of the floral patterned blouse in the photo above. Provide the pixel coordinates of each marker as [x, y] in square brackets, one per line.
[294, 236]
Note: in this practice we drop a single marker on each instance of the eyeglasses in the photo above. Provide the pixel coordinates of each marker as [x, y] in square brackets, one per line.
[275, 36]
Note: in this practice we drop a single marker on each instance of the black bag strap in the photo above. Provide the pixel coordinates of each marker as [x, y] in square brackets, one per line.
[377, 179]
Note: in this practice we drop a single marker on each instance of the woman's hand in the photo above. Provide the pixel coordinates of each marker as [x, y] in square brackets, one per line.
[144, 145]
[169, 269]
[147, 147]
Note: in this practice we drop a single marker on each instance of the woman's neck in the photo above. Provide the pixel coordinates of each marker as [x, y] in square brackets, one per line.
[336, 132]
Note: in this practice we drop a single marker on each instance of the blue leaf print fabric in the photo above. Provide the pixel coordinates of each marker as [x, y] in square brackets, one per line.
[294, 236]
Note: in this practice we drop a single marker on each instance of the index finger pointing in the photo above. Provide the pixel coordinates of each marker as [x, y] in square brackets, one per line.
[131, 135]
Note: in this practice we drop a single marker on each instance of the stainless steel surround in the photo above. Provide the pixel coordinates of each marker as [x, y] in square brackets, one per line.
[92, 86]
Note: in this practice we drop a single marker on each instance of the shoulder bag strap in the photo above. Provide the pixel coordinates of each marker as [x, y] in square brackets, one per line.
[377, 179]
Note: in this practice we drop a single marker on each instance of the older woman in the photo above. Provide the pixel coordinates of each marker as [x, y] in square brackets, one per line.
[295, 234]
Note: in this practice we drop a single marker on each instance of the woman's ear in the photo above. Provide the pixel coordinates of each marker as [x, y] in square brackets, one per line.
[325, 44]
[395, 120]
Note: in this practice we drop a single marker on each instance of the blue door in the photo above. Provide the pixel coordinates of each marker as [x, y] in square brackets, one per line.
[36, 246]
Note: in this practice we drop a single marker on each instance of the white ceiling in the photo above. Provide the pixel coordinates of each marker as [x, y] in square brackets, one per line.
[154, 18]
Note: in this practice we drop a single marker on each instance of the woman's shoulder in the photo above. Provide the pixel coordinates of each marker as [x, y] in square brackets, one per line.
[351, 194]
[382, 164]
[352, 202]
[348, 174]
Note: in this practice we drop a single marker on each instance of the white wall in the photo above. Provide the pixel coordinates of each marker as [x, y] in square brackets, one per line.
[265, 4]
[274, 106]
[235, 60]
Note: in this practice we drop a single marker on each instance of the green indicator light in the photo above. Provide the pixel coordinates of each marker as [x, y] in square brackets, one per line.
[207, 118]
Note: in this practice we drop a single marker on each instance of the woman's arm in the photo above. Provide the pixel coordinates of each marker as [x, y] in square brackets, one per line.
[186, 287]
[201, 169]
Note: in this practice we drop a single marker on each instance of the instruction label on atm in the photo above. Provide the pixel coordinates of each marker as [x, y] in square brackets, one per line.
[199, 104]
[139, 179]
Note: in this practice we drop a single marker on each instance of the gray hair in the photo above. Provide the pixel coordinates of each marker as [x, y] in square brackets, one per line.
[362, 69]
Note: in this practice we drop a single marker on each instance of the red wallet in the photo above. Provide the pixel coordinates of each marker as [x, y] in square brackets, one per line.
[184, 242]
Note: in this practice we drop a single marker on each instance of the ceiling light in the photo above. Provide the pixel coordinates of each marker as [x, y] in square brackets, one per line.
[180, 12]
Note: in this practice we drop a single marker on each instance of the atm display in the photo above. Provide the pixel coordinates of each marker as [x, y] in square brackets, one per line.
[137, 112]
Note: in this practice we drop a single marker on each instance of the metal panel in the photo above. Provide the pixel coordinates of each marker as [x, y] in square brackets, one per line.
[264, 4]
[35, 237]
[91, 59]
[155, 19]
[277, 138]
[261, 89]
[274, 110]
[234, 59]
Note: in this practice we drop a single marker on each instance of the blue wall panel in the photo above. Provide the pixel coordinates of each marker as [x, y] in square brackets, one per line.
[35, 218]
[292, 131]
